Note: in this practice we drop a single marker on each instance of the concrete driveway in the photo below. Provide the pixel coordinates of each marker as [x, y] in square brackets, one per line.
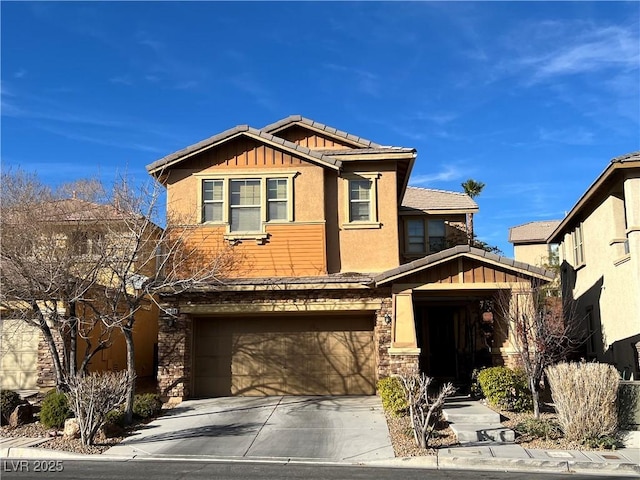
[347, 429]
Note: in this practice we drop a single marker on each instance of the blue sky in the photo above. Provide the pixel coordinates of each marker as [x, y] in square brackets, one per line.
[533, 99]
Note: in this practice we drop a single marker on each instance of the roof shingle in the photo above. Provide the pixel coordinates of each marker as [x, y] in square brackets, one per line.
[532, 232]
[427, 199]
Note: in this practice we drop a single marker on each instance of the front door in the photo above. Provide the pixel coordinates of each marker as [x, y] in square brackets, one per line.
[439, 358]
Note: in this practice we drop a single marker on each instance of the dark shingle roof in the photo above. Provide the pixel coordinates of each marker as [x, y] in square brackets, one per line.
[298, 119]
[239, 130]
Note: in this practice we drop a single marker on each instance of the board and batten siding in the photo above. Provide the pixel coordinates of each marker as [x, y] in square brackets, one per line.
[306, 138]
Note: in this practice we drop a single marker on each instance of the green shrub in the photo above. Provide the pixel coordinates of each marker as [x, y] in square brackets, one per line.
[54, 409]
[115, 417]
[475, 389]
[9, 400]
[392, 395]
[506, 389]
[606, 442]
[539, 428]
[147, 405]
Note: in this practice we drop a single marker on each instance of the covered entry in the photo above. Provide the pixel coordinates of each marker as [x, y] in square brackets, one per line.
[284, 354]
[444, 318]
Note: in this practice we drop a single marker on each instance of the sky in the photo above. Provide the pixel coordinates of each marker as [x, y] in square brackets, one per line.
[531, 98]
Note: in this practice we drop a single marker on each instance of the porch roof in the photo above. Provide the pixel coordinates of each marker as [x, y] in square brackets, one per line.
[430, 261]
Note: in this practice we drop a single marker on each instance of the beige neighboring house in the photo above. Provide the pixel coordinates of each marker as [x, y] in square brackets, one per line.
[600, 263]
[530, 242]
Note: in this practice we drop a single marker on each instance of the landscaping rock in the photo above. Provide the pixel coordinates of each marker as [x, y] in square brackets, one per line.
[110, 430]
[22, 415]
[71, 428]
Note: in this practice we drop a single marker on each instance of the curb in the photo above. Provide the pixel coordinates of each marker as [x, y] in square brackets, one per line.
[431, 462]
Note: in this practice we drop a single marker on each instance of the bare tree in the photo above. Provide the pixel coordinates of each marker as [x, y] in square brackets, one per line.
[424, 410]
[142, 259]
[543, 329]
[94, 395]
[45, 277]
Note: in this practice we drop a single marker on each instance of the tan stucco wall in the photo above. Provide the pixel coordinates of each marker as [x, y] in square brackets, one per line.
[609, 281]
[373, 249]
[18, 355]
[533, 254]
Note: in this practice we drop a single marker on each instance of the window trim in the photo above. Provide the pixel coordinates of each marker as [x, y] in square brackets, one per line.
[577, 244]
[373, 221]
[263, 178]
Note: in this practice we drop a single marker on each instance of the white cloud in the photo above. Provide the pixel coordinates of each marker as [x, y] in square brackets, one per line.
[366, 82]
[447, 174]
[577, 136]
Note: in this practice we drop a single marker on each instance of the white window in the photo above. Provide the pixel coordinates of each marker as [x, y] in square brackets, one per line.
[415, 236]
[277, 200]
[360, 200]
[212, 200]
[578, 247]
[246, 203]
[245, 206]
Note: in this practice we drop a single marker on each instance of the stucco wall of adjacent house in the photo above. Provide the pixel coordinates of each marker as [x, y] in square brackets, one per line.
[608, 283]
[533, 254]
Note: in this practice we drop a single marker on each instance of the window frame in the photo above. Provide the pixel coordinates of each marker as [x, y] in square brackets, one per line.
[372, 222]
[427, 237]
[263, 178]
[577, 241]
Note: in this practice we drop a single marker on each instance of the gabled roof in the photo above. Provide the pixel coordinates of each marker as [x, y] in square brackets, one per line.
[437, 201]
[245, 130]
[77, 210]
[532, 232]
[455, 252]
[623, 162]
[292, 120]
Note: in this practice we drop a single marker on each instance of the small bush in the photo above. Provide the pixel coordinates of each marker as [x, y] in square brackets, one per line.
[606, 442]
[115, 417]
[506, 389]
[54, 409]
[147, 405]
[9, 400]
[475, 389]
[539, 428]
[585, 396]
[392, 395]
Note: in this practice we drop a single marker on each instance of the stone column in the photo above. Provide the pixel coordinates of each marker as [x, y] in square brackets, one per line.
[174, 357]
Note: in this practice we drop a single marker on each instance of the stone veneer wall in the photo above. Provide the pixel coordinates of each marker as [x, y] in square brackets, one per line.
[174, 357]
[46, 371]
[174, 343]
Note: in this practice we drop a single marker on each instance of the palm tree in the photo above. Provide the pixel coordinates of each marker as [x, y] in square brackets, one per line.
[472, 188]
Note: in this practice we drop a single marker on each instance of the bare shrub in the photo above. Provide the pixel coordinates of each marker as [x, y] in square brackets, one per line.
[424, 410]
[585, 399]
[93, 396]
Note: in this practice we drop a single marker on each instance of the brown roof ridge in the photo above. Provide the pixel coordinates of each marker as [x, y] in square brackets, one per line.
[626, 156]
[231, 132]
[292, 119]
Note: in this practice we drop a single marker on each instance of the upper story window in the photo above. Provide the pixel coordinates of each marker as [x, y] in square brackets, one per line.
[245, 203]
[362, 200]
[578, 247]
[425, 236]
[359, 200]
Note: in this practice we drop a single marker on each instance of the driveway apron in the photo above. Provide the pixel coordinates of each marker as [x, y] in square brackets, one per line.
[350, 429]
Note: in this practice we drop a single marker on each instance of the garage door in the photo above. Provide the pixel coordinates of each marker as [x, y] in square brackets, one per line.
[19, 355]
[284, 355]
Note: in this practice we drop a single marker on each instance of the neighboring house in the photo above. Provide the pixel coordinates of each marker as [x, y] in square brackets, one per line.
[530, 243]
[26, 359]
[349, 275]
[600, 256]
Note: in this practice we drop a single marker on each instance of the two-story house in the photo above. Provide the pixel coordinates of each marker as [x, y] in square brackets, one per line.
[348, 274]
[66, 243]
[600, 257]
[530, 245]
